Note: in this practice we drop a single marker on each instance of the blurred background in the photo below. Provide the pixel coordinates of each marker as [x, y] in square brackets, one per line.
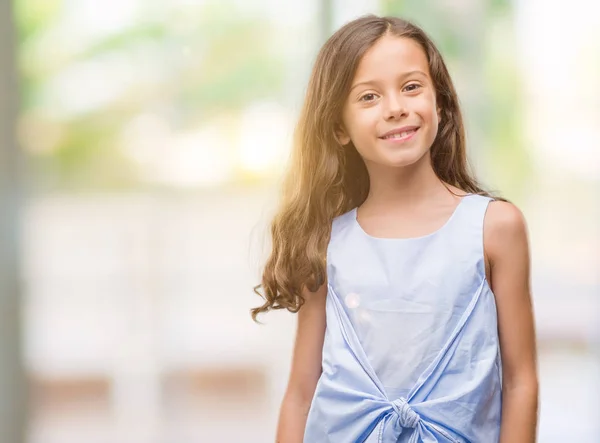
[142, 146]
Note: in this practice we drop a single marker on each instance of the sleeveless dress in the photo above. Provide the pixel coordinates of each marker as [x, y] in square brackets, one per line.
[411, 350]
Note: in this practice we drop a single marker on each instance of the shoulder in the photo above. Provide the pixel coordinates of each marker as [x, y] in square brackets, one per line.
[504, 218]
[340, 222]
[505, 229]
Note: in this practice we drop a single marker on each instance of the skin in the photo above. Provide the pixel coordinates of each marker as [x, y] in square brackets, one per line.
[407, 199]
[507, 254]
[305, 368]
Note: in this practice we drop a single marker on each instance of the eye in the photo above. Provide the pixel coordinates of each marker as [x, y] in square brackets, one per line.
[412, 87]
[368, 97]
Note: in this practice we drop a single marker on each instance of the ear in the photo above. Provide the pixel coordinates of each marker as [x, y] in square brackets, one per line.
[439, 114]
[341, 135]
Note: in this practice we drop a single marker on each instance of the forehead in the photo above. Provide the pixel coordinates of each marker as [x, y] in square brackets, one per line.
[391, 55]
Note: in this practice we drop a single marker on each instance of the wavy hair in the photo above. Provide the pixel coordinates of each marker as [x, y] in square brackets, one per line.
[326, 179]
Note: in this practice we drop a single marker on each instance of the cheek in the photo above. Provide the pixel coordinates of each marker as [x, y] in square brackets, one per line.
[427, 108]
[361, 124]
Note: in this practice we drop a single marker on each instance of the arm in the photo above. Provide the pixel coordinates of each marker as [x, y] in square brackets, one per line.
[306, 367]
[507, 253]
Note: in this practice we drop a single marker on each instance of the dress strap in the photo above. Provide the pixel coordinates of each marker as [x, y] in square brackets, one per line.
[469, 225]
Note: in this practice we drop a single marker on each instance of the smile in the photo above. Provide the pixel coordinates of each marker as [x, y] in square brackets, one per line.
[401, 136]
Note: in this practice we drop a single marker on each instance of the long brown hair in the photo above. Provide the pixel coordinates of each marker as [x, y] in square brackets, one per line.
[326, 179]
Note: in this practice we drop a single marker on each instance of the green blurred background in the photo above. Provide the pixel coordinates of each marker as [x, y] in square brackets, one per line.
[142, 154]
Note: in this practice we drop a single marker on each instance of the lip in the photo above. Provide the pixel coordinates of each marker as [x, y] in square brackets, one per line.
[399, 131]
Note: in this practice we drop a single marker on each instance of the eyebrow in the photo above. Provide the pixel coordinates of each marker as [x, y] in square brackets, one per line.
[372, 82]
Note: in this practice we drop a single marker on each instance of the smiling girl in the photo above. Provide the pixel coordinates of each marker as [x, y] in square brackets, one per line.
[411, 283]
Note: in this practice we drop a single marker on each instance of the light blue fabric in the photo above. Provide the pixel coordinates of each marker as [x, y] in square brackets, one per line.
[411, 350]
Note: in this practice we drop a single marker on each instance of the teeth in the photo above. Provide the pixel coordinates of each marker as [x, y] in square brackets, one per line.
[400, 135]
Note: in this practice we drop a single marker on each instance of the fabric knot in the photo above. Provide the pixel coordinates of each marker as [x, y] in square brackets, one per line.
[407, 417]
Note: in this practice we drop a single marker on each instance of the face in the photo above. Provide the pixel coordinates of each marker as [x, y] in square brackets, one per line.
[390, 114]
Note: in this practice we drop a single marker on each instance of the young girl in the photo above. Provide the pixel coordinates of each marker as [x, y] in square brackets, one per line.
[411, 283]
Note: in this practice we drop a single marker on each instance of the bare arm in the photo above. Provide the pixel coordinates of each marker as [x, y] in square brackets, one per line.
[507, 250]
[306, 368]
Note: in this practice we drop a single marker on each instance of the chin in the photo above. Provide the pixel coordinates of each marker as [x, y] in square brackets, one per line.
[403, 159]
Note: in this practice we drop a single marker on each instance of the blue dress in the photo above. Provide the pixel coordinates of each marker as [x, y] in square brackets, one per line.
[411, 350]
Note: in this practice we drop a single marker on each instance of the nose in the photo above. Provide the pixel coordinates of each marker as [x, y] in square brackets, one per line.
[395, 108]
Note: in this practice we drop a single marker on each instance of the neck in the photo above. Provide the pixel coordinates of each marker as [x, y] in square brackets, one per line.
[406, 186]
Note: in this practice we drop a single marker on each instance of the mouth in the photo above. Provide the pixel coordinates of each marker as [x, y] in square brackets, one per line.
[400, 135]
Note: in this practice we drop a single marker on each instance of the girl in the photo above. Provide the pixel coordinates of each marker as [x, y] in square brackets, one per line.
[411, 283]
